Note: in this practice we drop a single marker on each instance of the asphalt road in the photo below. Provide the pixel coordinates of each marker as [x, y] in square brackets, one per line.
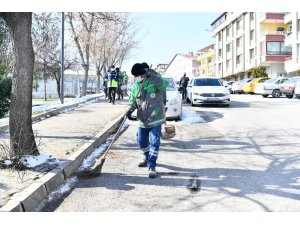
[245, 157]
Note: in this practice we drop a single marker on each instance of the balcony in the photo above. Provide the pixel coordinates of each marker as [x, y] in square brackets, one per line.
[288, 41]
[271, 17]
[275, 57]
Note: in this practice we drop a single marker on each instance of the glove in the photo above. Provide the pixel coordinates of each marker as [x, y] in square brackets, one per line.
[128, 114]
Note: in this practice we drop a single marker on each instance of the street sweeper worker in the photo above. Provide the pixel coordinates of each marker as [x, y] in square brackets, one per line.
[147, 98]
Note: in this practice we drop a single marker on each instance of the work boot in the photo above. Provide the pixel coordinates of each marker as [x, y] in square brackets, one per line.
[143, 163]
[152, 173]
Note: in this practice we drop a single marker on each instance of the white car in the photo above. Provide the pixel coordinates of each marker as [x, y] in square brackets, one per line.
[173, 105]
[207, 91]
[238, 86]
[174, 100]
[297, 89]
[228, 84]
[270, 87]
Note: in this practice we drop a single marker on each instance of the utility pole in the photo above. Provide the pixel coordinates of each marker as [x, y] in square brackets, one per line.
[62, 58]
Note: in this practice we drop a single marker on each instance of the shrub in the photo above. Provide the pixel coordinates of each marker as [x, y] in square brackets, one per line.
[5, 91]
[259, 71]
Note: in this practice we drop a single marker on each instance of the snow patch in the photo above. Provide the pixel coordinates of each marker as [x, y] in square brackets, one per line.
[46, 106]
[33, 161]
[7, 162]
[88, 162]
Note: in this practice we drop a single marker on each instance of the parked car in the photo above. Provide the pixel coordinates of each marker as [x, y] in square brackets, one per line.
[249, 86]
[207, 91]
[297, 89]
[238, 86]
[270, 87]
[228, 85]
[174, 101]
[288, 87]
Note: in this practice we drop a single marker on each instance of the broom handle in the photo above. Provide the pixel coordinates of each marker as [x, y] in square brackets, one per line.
[115, 137]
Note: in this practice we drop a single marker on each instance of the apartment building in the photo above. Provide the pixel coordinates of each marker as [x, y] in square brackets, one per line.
[183, 63]
[206, 58]
[245, 40]
[292, 40]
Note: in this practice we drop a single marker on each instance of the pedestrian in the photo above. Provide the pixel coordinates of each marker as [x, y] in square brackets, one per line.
[120, 83]
[147, 98]
[183, 84]
[112, 84]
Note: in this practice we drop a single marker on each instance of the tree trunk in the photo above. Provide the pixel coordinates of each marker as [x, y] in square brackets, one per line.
[20, 123]
[58, 88]
[86, 75]
[98, 81]
[45, 88]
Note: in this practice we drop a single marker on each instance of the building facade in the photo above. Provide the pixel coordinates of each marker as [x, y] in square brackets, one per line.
[206, 58]
[160, 68]
[245, 40]
[292, 40]
[183, 63]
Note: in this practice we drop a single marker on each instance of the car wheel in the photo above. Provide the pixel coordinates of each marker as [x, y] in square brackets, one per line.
[289, 96]
[276, 93]
[192, 102]
[264, 96]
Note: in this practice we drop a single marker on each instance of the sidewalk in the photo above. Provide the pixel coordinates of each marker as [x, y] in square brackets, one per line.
[61, 136]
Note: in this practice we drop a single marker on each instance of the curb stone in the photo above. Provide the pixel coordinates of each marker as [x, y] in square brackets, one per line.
[29, 198]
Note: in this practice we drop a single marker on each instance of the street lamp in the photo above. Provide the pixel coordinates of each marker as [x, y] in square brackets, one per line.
[62, 58]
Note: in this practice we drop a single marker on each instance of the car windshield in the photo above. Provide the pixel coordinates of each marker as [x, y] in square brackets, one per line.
[171, 86]
[271, 80]
[292, 80]
[208, 82]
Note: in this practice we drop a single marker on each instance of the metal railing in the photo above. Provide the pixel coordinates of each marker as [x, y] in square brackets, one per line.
[278, 53]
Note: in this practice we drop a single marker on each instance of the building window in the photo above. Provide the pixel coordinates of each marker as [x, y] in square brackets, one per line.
[251, 35]
[239, 42]
[210, 69]
[298, 52]
[220, 52]
[298, 24]
[228, 64]
[251, 16]
[239, 24]
[278, 48]
[228, 31]
[220, 37]
[239, 59]
[252, 53]
[209, 60]
[228, 47]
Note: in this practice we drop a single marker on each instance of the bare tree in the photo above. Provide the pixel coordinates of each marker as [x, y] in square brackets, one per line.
[82, 27]
[46, 39]
[20, 123]
[112, 42]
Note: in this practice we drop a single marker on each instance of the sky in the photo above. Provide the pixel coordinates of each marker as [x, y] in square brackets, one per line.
[164, 34]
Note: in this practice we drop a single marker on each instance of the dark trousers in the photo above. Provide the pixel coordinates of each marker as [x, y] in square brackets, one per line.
[112, 94]
[183, 92]
[120, 93]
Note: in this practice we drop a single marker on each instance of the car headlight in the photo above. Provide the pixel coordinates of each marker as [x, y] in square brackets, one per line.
[195, 93]
[174, 101]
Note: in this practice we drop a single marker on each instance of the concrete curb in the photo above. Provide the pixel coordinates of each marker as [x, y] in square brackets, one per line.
[51, 113]
[29, 198]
